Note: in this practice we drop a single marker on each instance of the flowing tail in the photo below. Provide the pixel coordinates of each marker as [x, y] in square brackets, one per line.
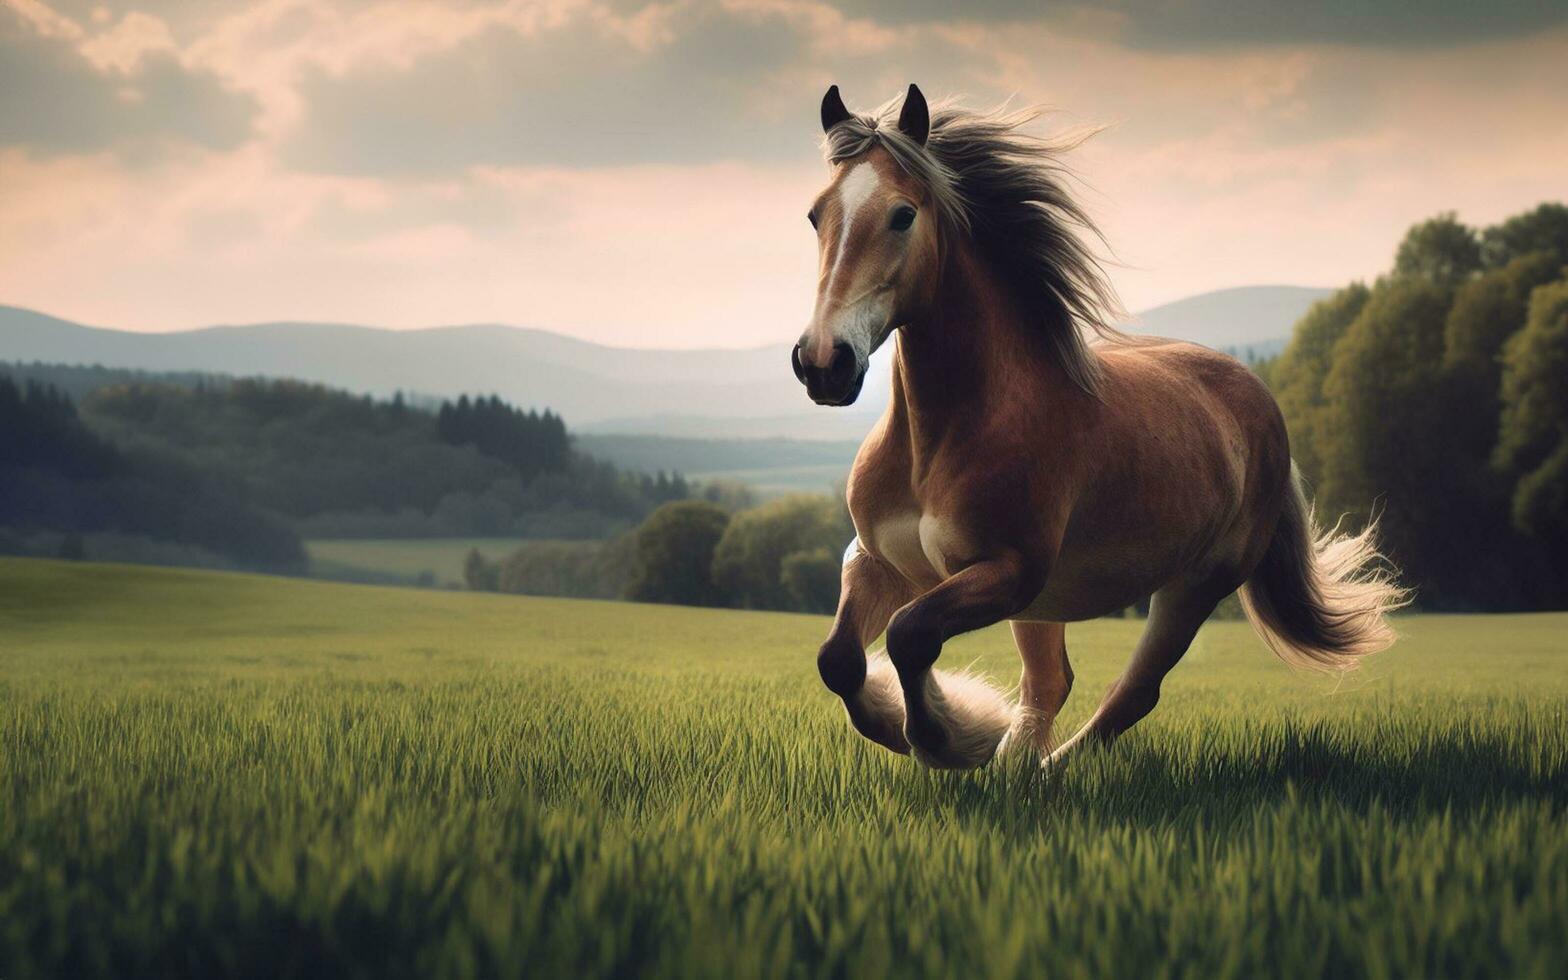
[1320, 598]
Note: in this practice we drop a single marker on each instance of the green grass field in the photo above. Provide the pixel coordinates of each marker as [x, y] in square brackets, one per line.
[441, 558]
[207, 774]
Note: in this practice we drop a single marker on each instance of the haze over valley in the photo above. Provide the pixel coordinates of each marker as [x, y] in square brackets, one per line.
[703, 394]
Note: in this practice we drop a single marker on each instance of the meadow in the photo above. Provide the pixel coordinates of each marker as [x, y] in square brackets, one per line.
[212, 774]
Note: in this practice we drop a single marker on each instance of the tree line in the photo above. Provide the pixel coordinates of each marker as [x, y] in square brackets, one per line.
[530, 442]
[718, 550]
[1437, 399]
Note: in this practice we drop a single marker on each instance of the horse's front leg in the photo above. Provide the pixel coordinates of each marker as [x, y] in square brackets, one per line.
[956, 721]
[869, 593]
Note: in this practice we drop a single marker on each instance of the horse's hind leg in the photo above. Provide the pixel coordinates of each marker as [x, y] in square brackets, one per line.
[869, 593]
[1175, 613]
[1043, 689]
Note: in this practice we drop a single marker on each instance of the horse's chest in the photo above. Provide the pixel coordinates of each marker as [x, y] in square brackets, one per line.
[925, 548]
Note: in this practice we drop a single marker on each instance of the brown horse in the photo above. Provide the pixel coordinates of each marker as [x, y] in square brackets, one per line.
[1023, 473]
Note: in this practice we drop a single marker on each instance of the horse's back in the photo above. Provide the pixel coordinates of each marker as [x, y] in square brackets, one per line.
[1165, 379]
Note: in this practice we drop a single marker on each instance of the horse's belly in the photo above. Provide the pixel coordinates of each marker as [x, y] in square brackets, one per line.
[1064, 600]
[1085, 582]
[1088, 584]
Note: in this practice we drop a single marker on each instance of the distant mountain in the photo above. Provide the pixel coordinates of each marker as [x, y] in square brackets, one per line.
[693, 393]
[1256, 318]
[584, 382]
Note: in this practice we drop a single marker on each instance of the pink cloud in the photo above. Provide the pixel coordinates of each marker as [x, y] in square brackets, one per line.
[1297, 164]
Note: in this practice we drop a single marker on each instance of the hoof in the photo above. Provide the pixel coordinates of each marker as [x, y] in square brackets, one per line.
[1031, 734]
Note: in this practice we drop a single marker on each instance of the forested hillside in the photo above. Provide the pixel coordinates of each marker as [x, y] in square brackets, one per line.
[59, 481]
[1437, 398]
[241, 469]
[340, 465]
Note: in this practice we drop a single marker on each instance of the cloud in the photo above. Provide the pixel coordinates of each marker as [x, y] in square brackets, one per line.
[1211, 24]
[638, 173]
[1203, 24]
[589, 92]
[64, 90]
[689, 82]
[711, 255]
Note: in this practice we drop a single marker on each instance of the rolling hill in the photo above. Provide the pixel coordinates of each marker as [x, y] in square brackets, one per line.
[1250, 318]
[748, 393]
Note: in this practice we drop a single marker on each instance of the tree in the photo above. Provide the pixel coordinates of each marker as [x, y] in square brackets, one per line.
[479, 575]
[675, 548]
[811, 579]
[581, 569]
[1486, 311]
[1439, 250]
[1544, 229]
[531, 442]
[1391, 422]
[1429, 401]
[1533, 439]
[1490, 308]
[1297, 376]
[748, 562]
[731, 495]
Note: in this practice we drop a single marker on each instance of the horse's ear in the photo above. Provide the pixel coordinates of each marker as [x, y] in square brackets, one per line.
[914, 120]
[833, 111]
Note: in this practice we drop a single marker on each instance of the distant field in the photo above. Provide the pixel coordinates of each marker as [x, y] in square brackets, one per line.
[208, 774]
[401, 560]
[780, 480]
[771, 466]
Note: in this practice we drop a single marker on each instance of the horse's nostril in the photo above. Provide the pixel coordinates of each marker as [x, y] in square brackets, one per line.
[794, 362]
[843, 362]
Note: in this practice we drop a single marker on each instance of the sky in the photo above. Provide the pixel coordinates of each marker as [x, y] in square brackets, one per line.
[639, 174]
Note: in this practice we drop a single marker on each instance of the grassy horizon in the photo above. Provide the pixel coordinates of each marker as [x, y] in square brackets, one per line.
[404, 558]
[220, 774]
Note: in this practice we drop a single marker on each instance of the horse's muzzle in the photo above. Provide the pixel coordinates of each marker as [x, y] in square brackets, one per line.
[836, 384]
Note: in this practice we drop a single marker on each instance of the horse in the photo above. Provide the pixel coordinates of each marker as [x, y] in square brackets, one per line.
[1036, 464]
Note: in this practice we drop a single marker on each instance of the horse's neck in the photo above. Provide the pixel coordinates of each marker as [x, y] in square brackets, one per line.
[972, 355]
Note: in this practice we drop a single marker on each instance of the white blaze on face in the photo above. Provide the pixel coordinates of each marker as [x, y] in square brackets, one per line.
[854, 323]
[854, 191]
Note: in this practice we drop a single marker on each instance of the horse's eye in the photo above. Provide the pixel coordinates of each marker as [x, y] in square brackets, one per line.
[811, 216]
[903, 218]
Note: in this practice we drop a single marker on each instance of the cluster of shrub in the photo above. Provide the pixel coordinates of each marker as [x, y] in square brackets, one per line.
[1437, 398]
[235, 472]
[784, 554]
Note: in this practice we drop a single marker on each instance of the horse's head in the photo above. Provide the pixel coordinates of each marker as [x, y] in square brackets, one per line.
[877, 248]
